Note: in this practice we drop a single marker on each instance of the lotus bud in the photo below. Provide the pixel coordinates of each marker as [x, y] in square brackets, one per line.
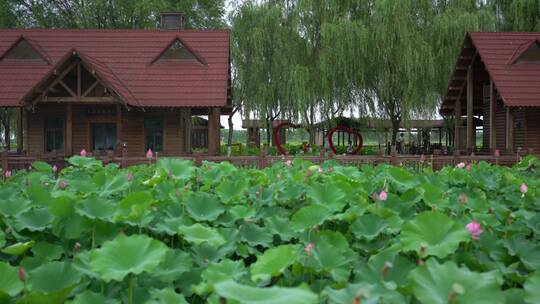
[383, 195]
[461, 165]
[54, 168]
[149, 154]
[22, 274]
[386, 268]
[321, 170]
[288, 163]
[475, 229]
[83, 153]
[308, 248]
[463, 199]
[62, 185]
[76, 248]
[523, 188]
[7, 174]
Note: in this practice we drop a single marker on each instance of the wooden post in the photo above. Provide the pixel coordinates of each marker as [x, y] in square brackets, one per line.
[69, 130]
[509, 130]
[119, 129]
[492, 117]
[457, 127]
[20, 129]
[213, 131]
[186, 126]
[470, 96]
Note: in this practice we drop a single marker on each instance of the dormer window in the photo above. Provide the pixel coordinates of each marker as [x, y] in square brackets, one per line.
[530, 55]
[22, 50]
[177, 50]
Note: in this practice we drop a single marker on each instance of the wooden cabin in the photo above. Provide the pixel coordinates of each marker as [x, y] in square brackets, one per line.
[121, 91]
[497, 79]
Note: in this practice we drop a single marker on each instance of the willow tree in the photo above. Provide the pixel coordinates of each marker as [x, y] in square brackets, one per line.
[516, 15]
[329, 59]
[262, 52]
[400, 71]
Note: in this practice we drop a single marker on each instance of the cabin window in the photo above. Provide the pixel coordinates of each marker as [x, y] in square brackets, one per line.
[54, 134]
[153, 130]
[103, 136]
[23, 51]
[531, 55]
[177, 51]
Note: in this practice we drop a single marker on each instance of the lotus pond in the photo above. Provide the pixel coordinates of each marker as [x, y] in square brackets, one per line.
[171, 232]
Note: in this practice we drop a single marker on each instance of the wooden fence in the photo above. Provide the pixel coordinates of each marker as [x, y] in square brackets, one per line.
[417, 162]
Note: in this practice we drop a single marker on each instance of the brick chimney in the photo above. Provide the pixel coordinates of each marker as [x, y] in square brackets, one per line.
[171, 21]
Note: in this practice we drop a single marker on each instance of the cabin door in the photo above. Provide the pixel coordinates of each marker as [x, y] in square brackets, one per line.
[103, 136]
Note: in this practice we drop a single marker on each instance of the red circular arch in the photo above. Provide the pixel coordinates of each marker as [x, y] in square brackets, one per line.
[275, 135]
[360, 141]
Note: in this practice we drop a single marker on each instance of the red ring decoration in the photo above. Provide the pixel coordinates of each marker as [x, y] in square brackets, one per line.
[276, 133]
[360, 141]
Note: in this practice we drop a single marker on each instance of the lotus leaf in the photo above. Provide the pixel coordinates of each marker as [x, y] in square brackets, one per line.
[532, 288]
[253, 295]
[203, 206]
[10, 285]
[433, 233]
[273, 262]
[198, 234]
[437, 283]
[127, 255]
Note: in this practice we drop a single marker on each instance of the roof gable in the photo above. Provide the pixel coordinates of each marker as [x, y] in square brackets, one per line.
[25, 49]
[178, 50]
[124, 57]
[528, 53]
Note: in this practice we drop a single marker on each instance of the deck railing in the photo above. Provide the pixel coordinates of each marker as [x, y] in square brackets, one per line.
[18, 162]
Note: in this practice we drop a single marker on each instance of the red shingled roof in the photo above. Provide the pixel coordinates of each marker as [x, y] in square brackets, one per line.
[517, 84]
[123, 59]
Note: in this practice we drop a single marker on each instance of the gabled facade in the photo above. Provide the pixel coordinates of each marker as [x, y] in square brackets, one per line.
[114, 90]
[496, 78]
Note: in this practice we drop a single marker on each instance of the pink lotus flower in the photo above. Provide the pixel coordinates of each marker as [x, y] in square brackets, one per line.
[62, 185]
[383, 195]
[321, 170]
[474, 229]
[523, 188]
[149, 153]
[288, 163]
[461, 165]
[83, 153]
[308, 248]
[129, 176]
[22, 274]
[54, 168]
[7, 174]
[463, 199]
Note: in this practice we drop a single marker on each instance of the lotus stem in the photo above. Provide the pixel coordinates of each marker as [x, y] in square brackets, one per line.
[130, 291]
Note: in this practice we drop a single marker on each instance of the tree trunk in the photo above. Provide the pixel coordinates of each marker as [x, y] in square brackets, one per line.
[395, 130]
[229, 136]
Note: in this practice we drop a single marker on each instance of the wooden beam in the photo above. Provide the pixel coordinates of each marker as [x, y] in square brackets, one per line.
[470, 104]
[69, 130]
[20, 129]
[213, 131]
[90, 88]
[63, 84]
[108, 99]
[492, 117]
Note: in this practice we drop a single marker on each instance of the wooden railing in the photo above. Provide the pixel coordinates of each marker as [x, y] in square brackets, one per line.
[417, 162]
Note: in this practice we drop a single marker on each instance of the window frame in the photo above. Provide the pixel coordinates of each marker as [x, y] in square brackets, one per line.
[47, 130]
[146, 133]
